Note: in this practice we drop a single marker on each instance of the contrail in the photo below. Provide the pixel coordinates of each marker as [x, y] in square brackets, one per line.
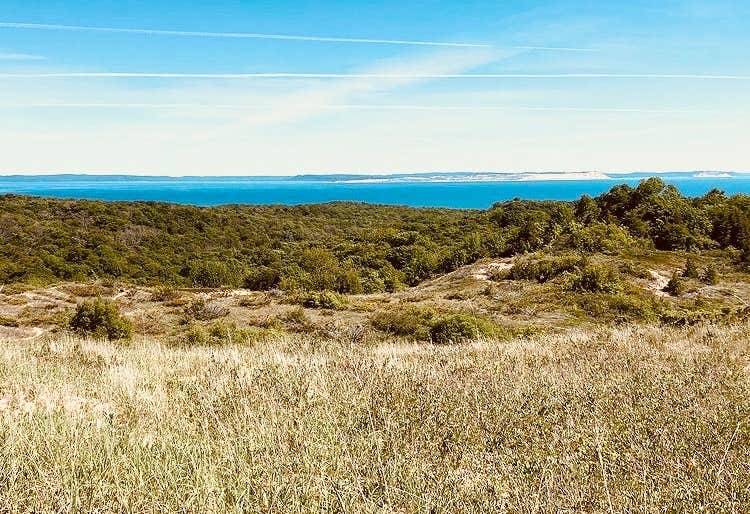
[364, 107]
[373, 76]
[232, 35]
[20, 57]
[288, 37]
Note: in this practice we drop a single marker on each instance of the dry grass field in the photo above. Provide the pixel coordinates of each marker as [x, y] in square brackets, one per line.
[639, 419]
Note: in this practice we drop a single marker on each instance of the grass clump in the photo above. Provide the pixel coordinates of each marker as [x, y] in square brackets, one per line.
[100, 319]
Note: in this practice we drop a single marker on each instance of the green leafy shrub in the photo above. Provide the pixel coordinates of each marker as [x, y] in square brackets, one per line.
[411, 322]
[691, 269]
[602, 237]
[195, 335]
[593, 278]
[458, 328]
[675, 286]
[323, 300]
[710, 275]
[542, 270]
[262, 278]
[99, 318]
[210, 274]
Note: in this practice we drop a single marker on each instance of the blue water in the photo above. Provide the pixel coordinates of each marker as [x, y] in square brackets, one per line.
[293, 191]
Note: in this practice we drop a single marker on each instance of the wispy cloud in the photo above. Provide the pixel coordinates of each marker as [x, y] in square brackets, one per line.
[233, 35]
[348, 107]
[19, 57]
[287, 37]
[367, 76]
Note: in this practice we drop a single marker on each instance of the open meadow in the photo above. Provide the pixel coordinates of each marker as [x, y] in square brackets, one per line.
[639, 419]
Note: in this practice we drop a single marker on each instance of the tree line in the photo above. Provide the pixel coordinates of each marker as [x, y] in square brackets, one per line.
[345, 247]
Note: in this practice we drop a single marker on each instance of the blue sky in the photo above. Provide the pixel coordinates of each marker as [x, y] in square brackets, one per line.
[499, 86]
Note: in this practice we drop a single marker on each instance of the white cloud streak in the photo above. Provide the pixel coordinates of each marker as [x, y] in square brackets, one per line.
[346, 107]
[286, 37]
[19, 57]
[233, 35]
[366, 76]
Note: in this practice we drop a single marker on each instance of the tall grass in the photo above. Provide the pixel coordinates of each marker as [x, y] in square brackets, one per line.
[641, 419]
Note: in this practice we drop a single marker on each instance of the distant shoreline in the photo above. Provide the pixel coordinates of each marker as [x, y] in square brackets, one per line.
[375, 178]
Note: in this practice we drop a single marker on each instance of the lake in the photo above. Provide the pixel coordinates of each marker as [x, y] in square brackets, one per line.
[207, 191]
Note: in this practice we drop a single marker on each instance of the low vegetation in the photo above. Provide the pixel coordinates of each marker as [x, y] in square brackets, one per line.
[613, 420]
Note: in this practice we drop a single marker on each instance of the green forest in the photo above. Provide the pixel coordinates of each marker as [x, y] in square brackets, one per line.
[345, 247]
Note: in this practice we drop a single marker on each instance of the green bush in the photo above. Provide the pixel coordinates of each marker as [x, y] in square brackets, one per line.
[691, 269]
[458, 328]
[210, 274]
[195, 335]
[323, 300]
[410, 322]
[595, 279]
[99, 318]
[675, 286]
[710, 275]
[262, 278]
[542, 270]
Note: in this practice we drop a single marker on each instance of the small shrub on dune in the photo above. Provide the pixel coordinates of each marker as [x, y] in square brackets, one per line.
[710, 275]
[323, 300]
[101, 319]
[203, 311]
[691, 269]
[675, 286]
[459, 328]
[542, 270]
[595, 279]
[410, 322]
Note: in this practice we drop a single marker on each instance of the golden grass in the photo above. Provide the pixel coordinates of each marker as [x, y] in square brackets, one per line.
[613, 420]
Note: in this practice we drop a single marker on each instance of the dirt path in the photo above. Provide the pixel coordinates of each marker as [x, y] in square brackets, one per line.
[658, 283]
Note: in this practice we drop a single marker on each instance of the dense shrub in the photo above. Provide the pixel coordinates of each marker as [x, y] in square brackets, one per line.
[675, 286]
[323, 300]
[691, 269]
[542, 269]
[458, 328]
[210, 274]
[99, 318]
[710, 275]
[593, 278]
[410, 322]
[607, 238]
[262, 278]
